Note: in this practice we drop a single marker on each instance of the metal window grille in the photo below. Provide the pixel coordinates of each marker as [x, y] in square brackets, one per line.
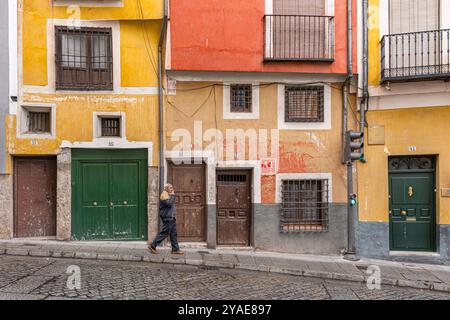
[304, 206]
[241, 98]
[39, 122]
[84, 59]
[299, 38]
[110, 127]
[232, 178]
[304, 104]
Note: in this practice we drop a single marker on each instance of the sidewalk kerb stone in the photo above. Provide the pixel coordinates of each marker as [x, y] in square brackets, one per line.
[108, 256]
[131, 257]
[17, 252]
[86, 255]
[153, 258]
[40, 253]
[218, 264]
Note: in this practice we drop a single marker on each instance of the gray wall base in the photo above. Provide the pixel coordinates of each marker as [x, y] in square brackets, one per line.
[267, 235]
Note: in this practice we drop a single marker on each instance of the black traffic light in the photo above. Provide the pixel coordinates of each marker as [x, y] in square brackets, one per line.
[353, 200]
[354, 143]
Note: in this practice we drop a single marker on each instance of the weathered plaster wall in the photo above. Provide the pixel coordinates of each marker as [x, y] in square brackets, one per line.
[300, 151]
[37, 12]
[152, 202]
[6, 206]
[4, 80]
[140, 114]
[202, 43]
[64, 195]
[267, 234]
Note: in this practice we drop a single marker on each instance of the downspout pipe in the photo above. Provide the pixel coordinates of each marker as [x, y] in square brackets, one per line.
[160, 96]
[365, 72]
[346, 86]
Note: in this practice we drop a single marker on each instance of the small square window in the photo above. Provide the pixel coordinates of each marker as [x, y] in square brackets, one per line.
[241, 98]
[110, 127]
[304, 104]
[39, 122]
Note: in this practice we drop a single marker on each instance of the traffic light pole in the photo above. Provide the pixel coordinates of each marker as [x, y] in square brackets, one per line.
[350, 253]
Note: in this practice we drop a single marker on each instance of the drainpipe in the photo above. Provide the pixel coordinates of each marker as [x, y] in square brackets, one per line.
[350, 253]
[161, 102]
[365, 97]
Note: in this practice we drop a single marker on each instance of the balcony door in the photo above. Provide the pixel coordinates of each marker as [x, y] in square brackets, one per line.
[300, 29]
[415, 40]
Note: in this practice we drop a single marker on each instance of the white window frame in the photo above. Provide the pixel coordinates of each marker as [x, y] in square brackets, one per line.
[329, 12]
[228, 115]
[97, 125]
[303, 176]
[22, 129]
[283, 125]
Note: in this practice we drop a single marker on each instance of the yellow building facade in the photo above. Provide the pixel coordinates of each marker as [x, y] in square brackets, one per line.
[403, 188]
[86, 118]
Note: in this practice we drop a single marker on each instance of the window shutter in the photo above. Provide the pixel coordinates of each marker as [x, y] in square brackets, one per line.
[413, 15]
[299, 7]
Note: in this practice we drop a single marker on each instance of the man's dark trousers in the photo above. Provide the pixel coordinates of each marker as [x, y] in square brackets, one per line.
[169, 229]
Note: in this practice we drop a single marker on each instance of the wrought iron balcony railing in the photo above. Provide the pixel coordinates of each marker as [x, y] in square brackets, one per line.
[298, 38]
[415, 56]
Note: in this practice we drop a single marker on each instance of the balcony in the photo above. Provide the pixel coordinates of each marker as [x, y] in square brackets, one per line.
[416, 56]
[298, 38]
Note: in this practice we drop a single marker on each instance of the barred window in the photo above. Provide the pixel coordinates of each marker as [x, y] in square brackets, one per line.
[84, 59]
[304, 104]
[304, 205]
[241, 98]
[111, 127]
[38, 122]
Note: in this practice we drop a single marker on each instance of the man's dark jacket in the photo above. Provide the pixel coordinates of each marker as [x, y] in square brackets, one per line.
[167, 208]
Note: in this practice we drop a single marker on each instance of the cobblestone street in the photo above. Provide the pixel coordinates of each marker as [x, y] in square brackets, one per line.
[46, 278]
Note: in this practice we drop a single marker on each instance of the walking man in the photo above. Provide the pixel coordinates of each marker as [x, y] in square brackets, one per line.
[167, 215]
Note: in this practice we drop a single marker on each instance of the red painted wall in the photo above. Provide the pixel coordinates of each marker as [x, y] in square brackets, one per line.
[227, 35]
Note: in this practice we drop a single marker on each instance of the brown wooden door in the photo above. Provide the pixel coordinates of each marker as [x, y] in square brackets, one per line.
[189, 184]
[233, 208]
[35, 197]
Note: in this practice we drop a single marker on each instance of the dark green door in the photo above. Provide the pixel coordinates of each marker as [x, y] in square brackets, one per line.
[412, 210]
[109, 195]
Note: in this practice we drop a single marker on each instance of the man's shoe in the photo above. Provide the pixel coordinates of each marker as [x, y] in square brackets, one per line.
[152, 250]
[177, 252]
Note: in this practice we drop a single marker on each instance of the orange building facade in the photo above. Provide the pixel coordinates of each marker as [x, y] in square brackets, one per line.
[253, 121]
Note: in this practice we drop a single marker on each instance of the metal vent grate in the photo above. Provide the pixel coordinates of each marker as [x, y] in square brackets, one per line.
[232, 178]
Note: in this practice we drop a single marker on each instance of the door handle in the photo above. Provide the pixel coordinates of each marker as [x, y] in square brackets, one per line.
[125, 202]
[94, 204]
[410, 191]
[403, 213]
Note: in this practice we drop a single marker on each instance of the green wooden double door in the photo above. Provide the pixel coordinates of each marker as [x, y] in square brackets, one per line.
[412, 206]
[109, 194]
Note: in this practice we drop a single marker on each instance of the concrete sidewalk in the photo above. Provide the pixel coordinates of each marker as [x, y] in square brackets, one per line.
[419, 276]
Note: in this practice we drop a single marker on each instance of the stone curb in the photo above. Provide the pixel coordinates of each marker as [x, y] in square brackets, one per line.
[422, 285]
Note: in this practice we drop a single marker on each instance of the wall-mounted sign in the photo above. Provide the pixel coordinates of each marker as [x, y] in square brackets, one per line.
[445, 192]
[268, 166]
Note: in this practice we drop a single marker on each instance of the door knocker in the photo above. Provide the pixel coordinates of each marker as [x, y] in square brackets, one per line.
[410, 191]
